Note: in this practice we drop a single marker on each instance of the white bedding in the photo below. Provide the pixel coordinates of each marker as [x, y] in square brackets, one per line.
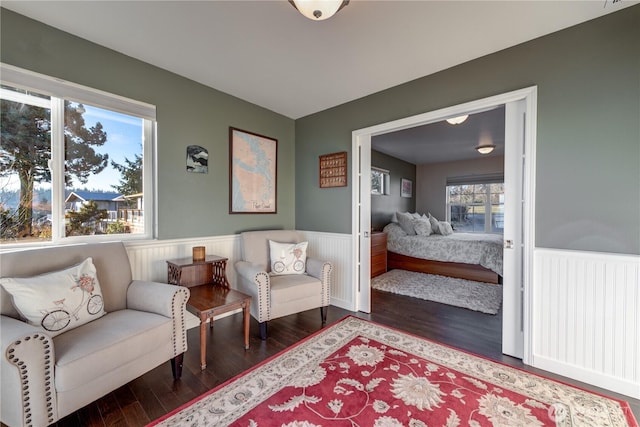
[468, 248]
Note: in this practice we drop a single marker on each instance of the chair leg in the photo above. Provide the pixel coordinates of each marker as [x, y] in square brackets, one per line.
[263, 330]
[176, 366]
[323, 314]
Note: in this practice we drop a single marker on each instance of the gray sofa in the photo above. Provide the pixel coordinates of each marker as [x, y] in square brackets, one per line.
[45, 377]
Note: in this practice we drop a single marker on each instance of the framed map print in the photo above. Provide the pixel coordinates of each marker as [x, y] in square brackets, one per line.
[252, 172]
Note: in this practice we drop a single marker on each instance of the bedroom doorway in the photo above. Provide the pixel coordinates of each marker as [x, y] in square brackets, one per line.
[519, 213]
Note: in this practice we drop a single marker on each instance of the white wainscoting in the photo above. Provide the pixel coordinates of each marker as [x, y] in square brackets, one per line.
[586, 319]
[148, 259]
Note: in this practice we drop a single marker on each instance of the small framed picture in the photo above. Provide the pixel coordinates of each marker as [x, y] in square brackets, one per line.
[406, 188]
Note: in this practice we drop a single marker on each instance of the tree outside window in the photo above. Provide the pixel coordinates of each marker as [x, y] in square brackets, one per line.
[102, 181]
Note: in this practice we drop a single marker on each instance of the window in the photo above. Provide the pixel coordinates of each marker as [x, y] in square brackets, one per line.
[74, 162]
[476, 206]
[379, 181]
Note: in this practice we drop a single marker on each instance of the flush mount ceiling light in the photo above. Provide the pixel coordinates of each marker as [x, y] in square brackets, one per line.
[457, 120]
[318, 10]
[485, 149]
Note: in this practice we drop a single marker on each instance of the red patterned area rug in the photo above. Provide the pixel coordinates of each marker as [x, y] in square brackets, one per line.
[359, 373]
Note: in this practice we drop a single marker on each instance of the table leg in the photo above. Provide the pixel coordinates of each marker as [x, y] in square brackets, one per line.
[245, 323]
[203, 342]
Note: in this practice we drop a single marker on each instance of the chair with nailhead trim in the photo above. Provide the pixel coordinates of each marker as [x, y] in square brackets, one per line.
[43, 377]
[273, 295]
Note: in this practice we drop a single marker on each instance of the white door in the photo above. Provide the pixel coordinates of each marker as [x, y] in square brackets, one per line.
[514, 209]
[364, 237]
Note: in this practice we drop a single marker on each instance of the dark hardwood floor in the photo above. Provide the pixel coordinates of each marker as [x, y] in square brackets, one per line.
[155, 393]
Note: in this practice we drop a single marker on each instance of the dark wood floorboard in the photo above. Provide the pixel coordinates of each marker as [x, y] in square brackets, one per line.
[155, 393]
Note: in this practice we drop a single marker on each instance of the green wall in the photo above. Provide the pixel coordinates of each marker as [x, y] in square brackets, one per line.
[189, 205]
[588, 133]
[384, 206]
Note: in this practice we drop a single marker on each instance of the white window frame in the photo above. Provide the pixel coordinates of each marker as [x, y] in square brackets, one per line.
[60, 91]
[385, 184]
[474, 180]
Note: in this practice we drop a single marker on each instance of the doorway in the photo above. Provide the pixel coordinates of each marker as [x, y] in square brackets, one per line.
[519, 215]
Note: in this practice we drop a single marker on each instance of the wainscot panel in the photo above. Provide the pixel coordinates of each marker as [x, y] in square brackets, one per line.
[148, 259]
[586, 321]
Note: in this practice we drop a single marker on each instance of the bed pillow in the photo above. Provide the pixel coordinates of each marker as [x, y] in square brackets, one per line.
[405, 220]
[435, 224]
[58, 301]
[445, 228]
[422, 227]
[288, 258]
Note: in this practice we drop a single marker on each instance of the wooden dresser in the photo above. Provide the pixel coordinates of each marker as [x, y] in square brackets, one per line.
[378, 253]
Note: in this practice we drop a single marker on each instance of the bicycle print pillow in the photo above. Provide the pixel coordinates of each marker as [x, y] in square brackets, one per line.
[58, 301]
[288, 258]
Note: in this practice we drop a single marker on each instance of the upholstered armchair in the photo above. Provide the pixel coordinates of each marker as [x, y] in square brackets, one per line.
[56, 366]
[285, 283]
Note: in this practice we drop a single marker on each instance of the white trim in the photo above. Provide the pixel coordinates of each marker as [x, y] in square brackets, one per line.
[363, 136]
[59, 91]
[52, 86]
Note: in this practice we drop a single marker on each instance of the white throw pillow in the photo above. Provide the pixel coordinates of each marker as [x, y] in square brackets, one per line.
[288, 258]
[435, 224]
[445, 228]
[58, 301]
[422, 227]
[405, 220]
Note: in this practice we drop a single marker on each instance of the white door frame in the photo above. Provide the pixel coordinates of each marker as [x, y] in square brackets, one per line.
[361, 142]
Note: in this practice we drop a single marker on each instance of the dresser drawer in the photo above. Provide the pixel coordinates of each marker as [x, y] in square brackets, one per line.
[378, 253]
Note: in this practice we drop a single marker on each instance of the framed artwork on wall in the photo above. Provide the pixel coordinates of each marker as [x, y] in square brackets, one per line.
[333, 170]
[197, 159]
[252, 173]
[406, 188]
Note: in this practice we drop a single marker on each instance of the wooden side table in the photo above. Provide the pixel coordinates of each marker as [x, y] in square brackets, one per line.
[210, 294]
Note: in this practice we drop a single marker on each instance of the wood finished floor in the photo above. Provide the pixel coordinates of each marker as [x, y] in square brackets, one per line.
[155, 393]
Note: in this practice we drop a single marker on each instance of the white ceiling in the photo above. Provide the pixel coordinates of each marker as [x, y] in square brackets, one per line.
[442, 142]
[267, 53]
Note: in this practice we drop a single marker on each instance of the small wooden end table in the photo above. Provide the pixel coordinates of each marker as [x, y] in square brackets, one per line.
[210, 294]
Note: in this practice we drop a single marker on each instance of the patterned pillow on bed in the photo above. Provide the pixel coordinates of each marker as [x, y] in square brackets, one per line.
[435, 224]
[445, 228]
[422, 227]
[405, 220]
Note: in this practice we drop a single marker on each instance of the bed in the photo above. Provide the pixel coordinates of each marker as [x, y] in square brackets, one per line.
[471, 256]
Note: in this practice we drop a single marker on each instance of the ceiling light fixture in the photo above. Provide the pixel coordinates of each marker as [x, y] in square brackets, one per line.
[457, 120]
[485, 149]
[318, 10]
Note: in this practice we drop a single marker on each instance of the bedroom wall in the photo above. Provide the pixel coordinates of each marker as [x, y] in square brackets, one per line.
[384, 206]
[189, 205]
[432, 181]
[587, 158]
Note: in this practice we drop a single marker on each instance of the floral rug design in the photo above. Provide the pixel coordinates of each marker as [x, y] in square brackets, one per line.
[359, 373]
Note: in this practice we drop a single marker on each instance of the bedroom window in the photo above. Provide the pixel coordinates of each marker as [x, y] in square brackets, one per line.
[74, 162]
[380, 179]
[475, 207]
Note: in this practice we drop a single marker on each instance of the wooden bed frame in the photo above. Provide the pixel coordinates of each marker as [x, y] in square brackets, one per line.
[452, 269]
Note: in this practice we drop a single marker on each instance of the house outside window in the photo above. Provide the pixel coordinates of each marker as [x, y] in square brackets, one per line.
[476, 204]
[72, 162]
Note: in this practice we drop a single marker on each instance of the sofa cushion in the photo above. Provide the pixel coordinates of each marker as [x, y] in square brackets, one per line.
[287, 288]
[288, 258]
[99, 347]
[59, 301]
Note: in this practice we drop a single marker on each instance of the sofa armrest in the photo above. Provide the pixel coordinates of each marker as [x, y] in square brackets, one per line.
[321, 270]
[167, 300]
[254, 281]
[27, 372]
